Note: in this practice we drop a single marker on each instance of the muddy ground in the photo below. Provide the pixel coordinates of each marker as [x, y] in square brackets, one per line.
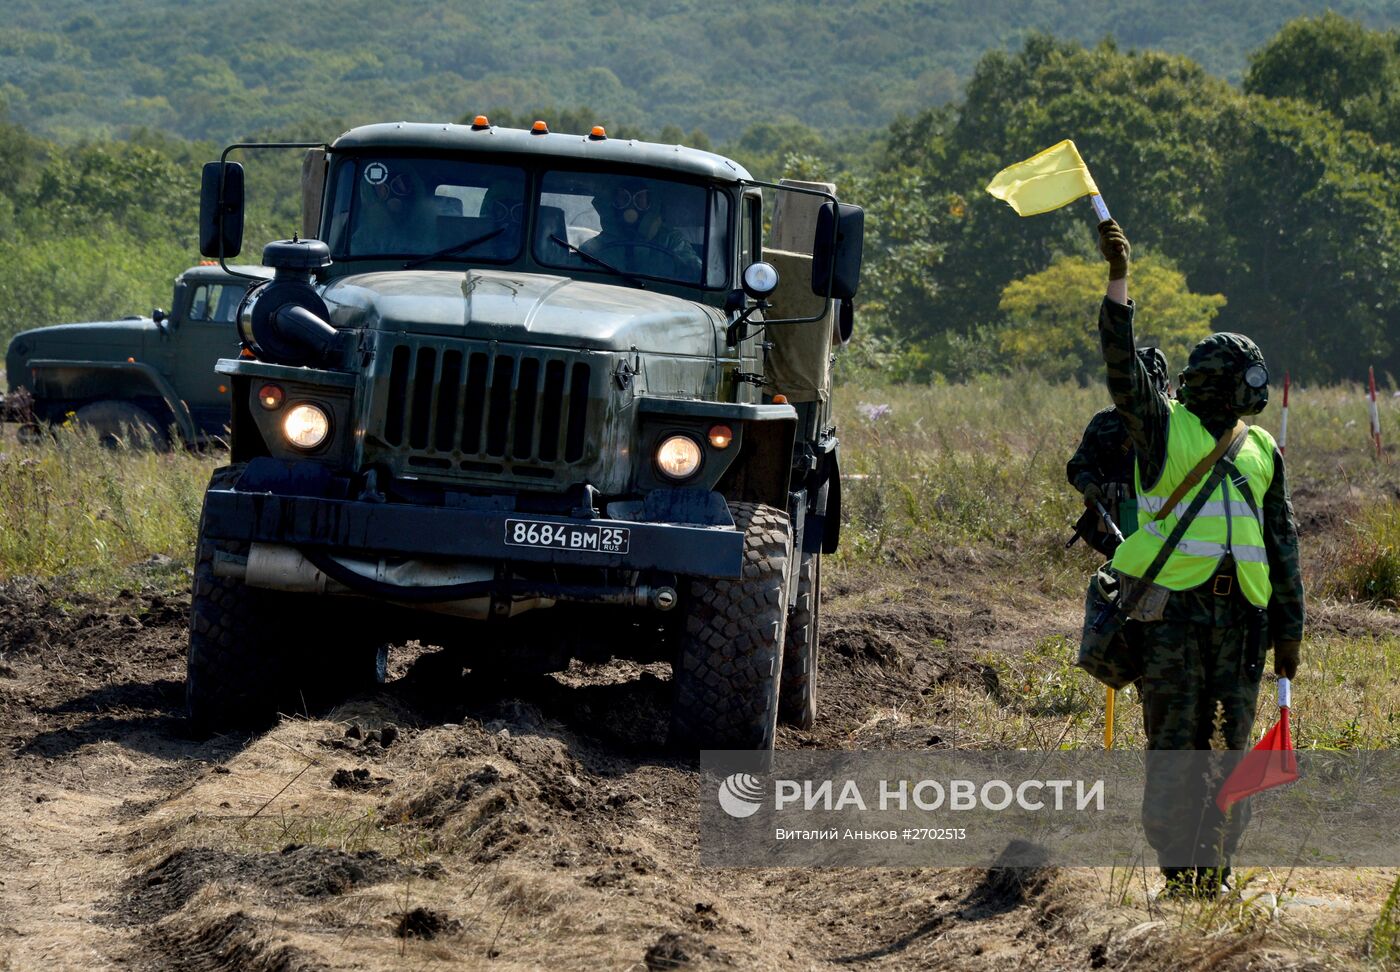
[438, 824]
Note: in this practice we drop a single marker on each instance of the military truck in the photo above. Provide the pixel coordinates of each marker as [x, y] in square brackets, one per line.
[527, 396]
[139, 378]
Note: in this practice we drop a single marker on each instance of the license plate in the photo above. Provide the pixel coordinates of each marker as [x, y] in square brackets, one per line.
[567, 536]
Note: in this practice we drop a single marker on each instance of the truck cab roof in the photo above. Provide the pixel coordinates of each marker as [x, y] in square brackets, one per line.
[492, 140]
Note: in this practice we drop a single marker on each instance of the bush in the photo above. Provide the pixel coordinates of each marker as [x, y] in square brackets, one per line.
[1369, 570]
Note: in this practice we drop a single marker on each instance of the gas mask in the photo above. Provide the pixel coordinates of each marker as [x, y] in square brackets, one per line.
[1225, 376]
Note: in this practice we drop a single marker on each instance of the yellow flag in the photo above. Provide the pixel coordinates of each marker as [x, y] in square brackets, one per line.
[1045, 181]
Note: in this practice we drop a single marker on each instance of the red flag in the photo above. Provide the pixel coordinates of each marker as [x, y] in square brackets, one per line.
[1269, 764]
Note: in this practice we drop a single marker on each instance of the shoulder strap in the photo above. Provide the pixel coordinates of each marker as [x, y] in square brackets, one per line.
[1233, 438]
[1241, 483]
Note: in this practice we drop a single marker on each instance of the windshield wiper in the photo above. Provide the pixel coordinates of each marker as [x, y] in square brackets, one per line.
[600, 262]
[452, 250]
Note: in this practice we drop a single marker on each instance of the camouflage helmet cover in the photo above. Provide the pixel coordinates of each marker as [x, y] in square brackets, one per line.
[1225, 375]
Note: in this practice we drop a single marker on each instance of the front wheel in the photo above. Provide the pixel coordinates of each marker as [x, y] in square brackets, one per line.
[730, 656]
[119, 423]
[254, 653]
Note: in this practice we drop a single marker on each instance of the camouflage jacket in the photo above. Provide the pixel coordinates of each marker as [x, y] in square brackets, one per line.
[1105, 454]
[1144, 411]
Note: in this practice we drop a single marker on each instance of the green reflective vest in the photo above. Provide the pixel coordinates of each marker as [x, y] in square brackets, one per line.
[1224, 525]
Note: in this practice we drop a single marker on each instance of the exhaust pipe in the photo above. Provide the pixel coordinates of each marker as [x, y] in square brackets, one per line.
[423, 585]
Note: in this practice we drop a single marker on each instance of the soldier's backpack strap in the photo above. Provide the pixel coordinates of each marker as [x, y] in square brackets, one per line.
[1230, 441]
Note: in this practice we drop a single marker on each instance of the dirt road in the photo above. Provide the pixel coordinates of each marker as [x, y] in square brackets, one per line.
[440, 825]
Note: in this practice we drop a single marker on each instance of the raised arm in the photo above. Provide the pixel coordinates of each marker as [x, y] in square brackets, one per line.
[1143, 408]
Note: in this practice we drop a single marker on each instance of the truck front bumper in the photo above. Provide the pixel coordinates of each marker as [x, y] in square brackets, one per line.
[402, 529]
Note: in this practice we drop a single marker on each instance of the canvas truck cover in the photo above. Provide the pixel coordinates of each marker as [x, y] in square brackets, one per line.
[800, 360]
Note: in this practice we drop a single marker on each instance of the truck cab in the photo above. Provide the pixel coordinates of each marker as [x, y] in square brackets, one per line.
[527, 395]
[150, 377]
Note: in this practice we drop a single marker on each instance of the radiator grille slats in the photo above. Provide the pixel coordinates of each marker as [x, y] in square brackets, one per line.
[453, 407]
[474, 413]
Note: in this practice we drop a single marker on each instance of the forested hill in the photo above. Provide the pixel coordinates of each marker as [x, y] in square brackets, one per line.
[80, 68]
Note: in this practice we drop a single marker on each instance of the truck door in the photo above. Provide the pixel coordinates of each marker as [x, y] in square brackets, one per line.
[205, 333]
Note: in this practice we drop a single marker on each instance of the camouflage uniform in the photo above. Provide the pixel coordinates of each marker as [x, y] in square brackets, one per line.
[1104, 460]
[1204, 659]
[1105, 453]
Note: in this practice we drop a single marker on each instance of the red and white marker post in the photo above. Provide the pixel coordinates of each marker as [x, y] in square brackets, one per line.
[1283, 422]
[1375, 414]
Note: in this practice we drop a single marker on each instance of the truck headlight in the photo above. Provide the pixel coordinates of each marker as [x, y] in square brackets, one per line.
[306, 426]
[678, 456]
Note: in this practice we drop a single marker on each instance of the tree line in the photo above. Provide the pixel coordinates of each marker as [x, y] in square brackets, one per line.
[72, 68]
[1267, 207]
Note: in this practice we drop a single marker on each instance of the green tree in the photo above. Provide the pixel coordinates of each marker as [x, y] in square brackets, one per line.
[1338, 65]
[1051, 316]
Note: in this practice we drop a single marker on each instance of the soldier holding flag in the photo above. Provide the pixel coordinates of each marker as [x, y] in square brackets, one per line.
[1232, 581]
[1211, 575]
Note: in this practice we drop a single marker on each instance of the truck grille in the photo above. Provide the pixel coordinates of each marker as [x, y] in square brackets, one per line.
[461, 408]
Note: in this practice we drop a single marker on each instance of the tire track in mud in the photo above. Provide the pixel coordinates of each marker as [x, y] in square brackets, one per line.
[444, 825]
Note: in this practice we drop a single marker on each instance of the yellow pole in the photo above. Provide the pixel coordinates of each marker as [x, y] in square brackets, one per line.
[1108, 721]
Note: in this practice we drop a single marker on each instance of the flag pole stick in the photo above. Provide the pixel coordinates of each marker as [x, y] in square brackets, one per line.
[1108, 720]
[1283, 422]
[1100, 207]
[1375, 413]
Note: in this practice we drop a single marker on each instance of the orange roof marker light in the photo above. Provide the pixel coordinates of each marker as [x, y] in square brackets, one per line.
[598, 134]
[480, 122]
[539, 128]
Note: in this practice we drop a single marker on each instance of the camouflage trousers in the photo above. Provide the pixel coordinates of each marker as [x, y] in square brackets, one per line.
[1202, 666]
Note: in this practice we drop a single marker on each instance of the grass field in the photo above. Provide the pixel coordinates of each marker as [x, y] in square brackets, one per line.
[954, 497]
[931, 473]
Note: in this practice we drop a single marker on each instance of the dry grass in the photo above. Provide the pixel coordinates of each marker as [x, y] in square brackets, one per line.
[71, 508]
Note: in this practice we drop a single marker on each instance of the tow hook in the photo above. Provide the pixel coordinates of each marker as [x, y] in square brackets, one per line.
[663, 598]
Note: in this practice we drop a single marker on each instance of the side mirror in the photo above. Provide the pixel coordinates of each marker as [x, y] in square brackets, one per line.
[836, 251]
[760, 280]
[159, 316]
[221, 219]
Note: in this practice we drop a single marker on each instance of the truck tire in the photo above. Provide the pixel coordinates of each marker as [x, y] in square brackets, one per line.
[254, 653]
[122, 423]
[797, 700]
[730, 655]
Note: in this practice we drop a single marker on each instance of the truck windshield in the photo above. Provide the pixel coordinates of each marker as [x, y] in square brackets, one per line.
[395, 207]
[641, 226]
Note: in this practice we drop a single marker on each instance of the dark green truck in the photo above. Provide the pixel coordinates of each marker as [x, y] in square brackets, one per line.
[148, 377]
[513, 393]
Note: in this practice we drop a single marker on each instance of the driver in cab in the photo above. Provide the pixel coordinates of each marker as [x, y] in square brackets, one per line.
[634, 235]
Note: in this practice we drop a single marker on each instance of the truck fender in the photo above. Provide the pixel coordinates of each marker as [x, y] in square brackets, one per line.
[762, 470]
[123, 380]
[831, 514]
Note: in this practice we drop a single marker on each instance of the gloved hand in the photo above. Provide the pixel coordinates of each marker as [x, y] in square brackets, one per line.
[1115, 249]
[1092, 494]
[1287, 654]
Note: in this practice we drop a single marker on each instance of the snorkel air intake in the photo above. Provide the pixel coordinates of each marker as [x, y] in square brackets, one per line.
[284, 320]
